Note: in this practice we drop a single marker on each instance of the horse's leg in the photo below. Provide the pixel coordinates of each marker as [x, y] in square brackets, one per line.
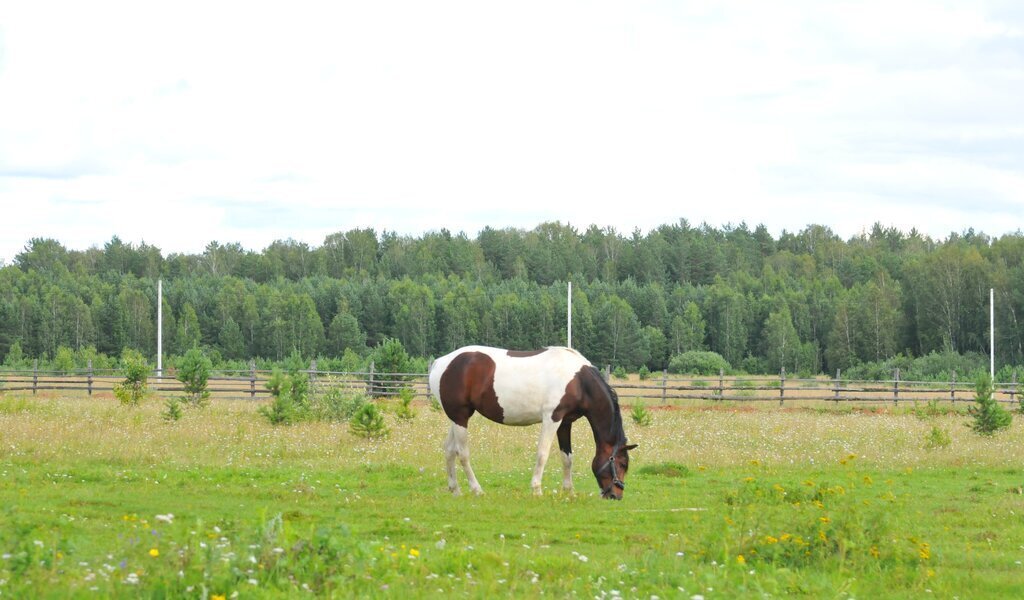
[565, 445]
[547, 435]
[451, 450]
[457, 444]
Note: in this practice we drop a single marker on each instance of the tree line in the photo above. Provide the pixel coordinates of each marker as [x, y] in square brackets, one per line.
[807, 301]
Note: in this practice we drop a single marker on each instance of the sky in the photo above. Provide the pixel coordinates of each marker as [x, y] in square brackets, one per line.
[181, 123]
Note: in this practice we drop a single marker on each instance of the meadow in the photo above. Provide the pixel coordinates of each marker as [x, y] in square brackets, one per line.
[98, 500]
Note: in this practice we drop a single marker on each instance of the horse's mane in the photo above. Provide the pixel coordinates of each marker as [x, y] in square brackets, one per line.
[618, 434]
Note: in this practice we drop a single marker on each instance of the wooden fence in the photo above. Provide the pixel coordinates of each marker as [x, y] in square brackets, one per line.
[660, 389]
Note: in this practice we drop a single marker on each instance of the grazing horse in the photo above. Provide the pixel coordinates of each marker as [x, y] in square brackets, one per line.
[553, 387]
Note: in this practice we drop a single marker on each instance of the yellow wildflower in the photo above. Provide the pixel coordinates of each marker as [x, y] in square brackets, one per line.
[874, 552]
[154, 552]
[740, 560]
[768, 539]
[414, 552]
[825, 519]
[784, 537]
[924, 551]
[218, 597]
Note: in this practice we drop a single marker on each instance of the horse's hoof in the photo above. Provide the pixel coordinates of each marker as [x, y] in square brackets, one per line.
[455, 491]
[478, 491]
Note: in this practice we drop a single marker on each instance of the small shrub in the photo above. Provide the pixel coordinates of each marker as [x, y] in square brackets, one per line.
[194, 373]
[641, 416]
[698, 363]
[620, 373]
[288, 403]
[929, 411]
[644, 373]
[368, 422]
[335, 404]
[989, 416]
[937, 438]
[390, 360]
[405, 410]
[133, 389]
[172, 410]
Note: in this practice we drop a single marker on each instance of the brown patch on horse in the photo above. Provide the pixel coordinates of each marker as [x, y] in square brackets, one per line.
[571, 404]
[467, 386]
[525, 353]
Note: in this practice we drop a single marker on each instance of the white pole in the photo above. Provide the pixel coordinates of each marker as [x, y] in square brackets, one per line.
[568, 318]
[159, 327]
[992, 333]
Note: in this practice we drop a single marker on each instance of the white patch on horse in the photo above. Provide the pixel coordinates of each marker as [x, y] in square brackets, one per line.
[530, 388]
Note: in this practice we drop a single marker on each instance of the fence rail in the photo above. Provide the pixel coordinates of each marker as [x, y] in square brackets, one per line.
[660, 389]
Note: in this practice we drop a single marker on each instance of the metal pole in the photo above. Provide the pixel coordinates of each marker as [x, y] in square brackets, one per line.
[159, 327]
[568, 319]
[992, 333]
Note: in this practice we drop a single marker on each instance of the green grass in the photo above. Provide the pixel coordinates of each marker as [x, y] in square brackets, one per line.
[816, 504]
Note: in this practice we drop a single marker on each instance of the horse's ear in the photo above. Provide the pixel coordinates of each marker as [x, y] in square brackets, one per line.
[631, 446]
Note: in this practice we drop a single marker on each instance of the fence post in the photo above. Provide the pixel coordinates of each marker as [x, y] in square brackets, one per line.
[370, 389]
[782, 385]
[1013, 387]
[721, 384]
[312, 371]
[664, 387]
[896, 388]
[88, 377]
[252, 379]
[607, 372]
[35, 375]
[839, 372]
[952, 389]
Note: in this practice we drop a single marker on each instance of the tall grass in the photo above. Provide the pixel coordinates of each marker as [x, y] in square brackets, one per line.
[718, 503]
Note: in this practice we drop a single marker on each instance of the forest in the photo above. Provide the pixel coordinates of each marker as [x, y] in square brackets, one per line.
[809, 301]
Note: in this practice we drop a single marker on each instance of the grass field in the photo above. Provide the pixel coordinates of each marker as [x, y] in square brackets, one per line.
[97, 500]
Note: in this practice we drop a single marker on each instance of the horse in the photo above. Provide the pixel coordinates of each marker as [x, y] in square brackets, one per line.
[554, 386]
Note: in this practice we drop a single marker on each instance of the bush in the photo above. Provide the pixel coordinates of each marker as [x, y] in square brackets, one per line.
[620, 373]
[335, 404]
[290, 398]
[391, 359]
[405, 409]
[644, 373]
[696, 362]
[172, 410]
[989, 416]
[134, 388]
[937, 438]
[641, 416]
[194, 373]
[368, 422]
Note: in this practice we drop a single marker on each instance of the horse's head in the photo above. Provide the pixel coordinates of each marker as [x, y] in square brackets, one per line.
[610, 467]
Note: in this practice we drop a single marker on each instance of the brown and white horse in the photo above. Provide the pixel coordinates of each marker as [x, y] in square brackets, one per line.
[553, 387]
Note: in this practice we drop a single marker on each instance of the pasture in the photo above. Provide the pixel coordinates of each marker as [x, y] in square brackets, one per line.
[98, 500]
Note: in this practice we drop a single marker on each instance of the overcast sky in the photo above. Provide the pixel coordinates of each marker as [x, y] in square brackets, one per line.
[180, 123]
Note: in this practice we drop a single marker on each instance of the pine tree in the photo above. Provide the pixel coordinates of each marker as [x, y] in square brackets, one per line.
[989, 416]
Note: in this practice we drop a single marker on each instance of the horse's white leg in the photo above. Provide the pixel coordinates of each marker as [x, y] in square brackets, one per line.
[451, 450]
[567, 471]
[457, 445]
[547, 435]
